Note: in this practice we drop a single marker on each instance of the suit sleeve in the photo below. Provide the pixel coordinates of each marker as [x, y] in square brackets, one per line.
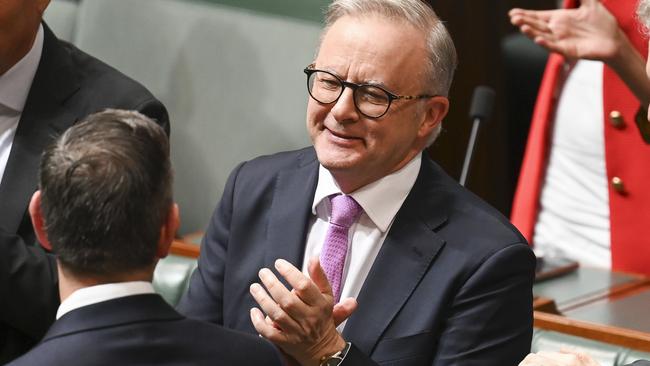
[27, 270]
[204, 297]
[491, 317]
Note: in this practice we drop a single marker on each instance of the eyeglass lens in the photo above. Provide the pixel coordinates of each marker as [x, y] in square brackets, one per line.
[327, 88]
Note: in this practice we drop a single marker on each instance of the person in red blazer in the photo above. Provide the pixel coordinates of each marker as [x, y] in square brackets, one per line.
[607, 31]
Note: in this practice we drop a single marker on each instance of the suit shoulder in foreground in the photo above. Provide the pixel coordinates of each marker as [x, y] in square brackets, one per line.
[144, 330]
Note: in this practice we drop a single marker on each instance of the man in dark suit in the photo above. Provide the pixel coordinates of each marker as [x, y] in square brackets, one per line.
[436, 275]
[105, 210]
[45, 86]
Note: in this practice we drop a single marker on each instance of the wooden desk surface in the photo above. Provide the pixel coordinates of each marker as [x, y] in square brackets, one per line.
[630, 310]
[584, 286]
[599, 305]
[604, 333]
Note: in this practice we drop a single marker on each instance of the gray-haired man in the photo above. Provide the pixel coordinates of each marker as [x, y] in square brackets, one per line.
[440, 278]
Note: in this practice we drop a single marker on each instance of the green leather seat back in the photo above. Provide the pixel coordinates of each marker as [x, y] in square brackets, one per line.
[231, 79]
[632, 355]
[605, 354]
[172, 277]
[61, 17]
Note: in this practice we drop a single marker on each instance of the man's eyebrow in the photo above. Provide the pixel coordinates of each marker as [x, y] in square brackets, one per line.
[376, 83]
[371, 82]
[332, 71]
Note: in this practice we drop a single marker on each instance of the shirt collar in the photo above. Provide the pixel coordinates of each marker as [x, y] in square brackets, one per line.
[99, 293]
[16, 82]
[380, 199]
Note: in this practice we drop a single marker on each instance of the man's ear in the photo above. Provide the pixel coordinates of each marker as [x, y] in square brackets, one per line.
[37, 220]
[436, 109]
[168, 231]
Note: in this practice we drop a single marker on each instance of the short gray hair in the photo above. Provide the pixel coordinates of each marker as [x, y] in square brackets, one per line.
[442, 57]
[442, 52]
[643, 14]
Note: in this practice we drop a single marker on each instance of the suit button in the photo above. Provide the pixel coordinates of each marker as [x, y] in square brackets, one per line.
[617, 184]
[616, 119]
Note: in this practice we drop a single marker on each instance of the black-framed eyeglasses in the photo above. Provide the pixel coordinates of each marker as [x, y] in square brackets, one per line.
[371, 100]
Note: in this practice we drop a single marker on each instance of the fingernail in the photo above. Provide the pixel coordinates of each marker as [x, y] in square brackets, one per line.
[255, 287]
[281, 264]
[264, 273]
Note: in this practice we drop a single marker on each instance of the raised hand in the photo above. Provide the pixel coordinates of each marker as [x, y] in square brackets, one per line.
[301, 321]
[589, 32]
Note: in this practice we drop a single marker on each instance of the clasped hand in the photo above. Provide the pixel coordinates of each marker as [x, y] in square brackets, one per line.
[301, 321]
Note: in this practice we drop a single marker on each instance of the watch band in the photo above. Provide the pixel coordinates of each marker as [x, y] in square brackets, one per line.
[337, 358]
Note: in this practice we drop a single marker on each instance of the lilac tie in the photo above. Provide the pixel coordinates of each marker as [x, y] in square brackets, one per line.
[345, 211]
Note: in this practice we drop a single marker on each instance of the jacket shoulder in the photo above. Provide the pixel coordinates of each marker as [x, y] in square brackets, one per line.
[99, 78]
[472, 224]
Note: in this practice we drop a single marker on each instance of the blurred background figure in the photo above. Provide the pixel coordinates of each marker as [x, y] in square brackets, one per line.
[46, 85]
[582, 190]
[105, 209]
[571, 357]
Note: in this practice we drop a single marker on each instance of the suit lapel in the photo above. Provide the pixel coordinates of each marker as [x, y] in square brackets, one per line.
[409, 249]
[120, 311]
[43, 118]
[291, 207]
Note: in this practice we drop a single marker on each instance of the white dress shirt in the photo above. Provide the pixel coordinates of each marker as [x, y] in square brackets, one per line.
[99, 293]
[14, 88]
[380, 200]
[574, 204]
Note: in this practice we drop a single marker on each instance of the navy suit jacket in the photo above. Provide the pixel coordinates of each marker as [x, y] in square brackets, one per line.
[451, 285]
[68, 85]
[144, 330]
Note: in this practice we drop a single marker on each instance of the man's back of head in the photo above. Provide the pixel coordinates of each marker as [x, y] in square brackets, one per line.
[106, 197]
[105, 210]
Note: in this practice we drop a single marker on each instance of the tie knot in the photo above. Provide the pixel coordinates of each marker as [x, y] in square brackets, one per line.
[345, 210]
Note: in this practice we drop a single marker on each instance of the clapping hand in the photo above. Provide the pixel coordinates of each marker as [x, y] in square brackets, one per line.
[302, 321]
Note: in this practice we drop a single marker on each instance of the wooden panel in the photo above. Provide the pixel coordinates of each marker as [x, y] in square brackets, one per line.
[185, 249]
[603, 333]
[545, 304]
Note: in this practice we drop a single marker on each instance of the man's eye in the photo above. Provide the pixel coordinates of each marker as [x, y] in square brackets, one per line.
[329, 83]
[374, 96]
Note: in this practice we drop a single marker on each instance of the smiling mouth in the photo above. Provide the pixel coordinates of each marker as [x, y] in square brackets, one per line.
[340, 136]
[342, 141]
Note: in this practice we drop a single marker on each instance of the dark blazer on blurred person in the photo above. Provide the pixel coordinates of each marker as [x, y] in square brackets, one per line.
[68, 85]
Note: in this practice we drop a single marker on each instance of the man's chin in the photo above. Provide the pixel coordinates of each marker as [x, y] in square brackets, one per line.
[337, 161]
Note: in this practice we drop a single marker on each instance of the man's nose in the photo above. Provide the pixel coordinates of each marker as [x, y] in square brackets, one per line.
[344, 109]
